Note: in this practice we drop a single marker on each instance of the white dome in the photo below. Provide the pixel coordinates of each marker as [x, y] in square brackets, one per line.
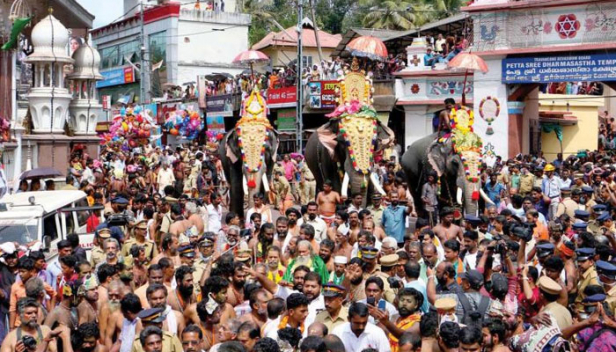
[87, 60]
[50, 40]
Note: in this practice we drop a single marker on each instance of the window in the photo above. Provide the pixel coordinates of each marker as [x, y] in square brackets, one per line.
[307, 61]
[82, 216]
[158, 48]
[49, 226]
[117, 55]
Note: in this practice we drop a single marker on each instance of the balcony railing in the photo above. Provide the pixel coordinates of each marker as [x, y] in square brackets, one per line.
[214, 16]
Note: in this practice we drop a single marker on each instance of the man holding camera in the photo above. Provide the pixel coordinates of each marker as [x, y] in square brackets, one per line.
[30, 336]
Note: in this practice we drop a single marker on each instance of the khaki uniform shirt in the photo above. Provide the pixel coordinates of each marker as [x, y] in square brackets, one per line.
[611, 299]
[377, 214]
[166, 223]
[326, 319]
[567, 206]
[282, 187]
[560, 314]
[97, 255]
[306, 173]
[526, 183]
[171, 343]
[589, 277]
[150, 248]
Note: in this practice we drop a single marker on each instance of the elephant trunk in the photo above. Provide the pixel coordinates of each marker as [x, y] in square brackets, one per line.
[255, 184]
[471, 197]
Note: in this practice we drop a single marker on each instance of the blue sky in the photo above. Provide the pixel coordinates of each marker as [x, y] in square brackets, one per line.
[104, 10]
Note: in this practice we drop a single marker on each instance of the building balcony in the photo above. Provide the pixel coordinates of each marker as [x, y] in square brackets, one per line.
[211, 16]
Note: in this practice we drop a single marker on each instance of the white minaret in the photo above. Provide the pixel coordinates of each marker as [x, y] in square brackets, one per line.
[85, 107]
[49, 98]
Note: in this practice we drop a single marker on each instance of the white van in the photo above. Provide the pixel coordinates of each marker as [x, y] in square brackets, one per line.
[47, 217]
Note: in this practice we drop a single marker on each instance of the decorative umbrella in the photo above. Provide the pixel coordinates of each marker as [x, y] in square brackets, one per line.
[368, 46]
[468, 61]
[41, 172]
[251, 57]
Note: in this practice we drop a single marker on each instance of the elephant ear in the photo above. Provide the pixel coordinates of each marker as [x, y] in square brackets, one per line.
[232, 147]
[385, 135]
[436, 158]
[328, 138]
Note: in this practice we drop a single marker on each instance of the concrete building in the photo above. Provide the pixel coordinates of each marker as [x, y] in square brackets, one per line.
[183, 41]
[22, 147]
[281, 47]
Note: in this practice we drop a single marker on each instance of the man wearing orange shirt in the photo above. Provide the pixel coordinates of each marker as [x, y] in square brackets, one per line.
[540, 232]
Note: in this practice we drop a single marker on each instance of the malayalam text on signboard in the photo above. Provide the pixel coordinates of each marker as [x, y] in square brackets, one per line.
[322, 94]
[595, 67]
[286, 95]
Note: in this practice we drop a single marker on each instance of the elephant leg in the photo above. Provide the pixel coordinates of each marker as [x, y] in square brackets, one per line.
[236, 203]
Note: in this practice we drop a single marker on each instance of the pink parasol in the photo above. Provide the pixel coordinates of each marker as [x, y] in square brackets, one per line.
[368, 46]
[468, 61]
[251, 57]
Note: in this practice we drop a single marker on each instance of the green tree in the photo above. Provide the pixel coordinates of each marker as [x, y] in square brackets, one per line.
[390, 14]
[446, 8]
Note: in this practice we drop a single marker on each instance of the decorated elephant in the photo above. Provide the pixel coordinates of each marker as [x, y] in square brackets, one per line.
[342, 150]
[248, 153]
[456, 158]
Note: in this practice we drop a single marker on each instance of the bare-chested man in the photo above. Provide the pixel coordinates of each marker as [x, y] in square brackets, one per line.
[218, 287]
[62, 314]
[169, 244]
[194, 219]
[378, 232]
[184, 294]
[354, 226]
[343, 247]
[258, 302]
[87, 310]
[155, 276]
[28, 313]
[327, 201]
[446, 229]
[115, 294]
[180, 225]
[123, 323]
[444, 124]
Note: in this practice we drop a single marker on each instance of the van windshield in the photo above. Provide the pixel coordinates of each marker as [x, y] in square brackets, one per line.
[21, 231]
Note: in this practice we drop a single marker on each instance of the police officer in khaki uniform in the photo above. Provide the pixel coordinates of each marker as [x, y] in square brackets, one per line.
[607, 274]
[139, 232]
[97, 254]
[588, 273]
[570, 203]
[154, 317]
[281, 187]
[307, 184]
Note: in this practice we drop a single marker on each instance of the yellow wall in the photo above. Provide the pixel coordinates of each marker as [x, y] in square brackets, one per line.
[583, 135]
[281, 56]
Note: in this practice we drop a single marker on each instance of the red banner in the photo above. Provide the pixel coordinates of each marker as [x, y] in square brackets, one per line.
[281, 95]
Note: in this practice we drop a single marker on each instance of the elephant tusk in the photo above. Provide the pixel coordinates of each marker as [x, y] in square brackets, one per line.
[345, 185]
[245, 184]
[377, 184]
[485, 197]
[265, 183]
[459, 195]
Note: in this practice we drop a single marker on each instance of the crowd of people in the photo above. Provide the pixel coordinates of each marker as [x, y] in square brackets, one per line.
[283, 77]
[171, 269]
[573, 88]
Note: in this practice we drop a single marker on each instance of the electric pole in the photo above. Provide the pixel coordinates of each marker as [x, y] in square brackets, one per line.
[300, 100]
[142, 70]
